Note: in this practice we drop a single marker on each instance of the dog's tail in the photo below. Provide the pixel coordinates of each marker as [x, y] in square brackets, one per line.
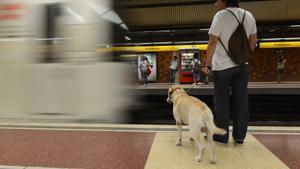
[219, 131]
[213, 128]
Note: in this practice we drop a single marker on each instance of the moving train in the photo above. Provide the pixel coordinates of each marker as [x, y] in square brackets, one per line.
[49, 65]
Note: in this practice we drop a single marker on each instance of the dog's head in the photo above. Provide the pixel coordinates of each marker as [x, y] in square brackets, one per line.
[171, 92]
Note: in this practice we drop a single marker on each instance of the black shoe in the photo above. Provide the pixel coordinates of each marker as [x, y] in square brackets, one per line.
[218, 141]
[223, 142]
[239, 142]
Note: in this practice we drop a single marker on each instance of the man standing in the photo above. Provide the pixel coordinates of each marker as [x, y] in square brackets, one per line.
[229, 76]
[173, 68]
[196, 68]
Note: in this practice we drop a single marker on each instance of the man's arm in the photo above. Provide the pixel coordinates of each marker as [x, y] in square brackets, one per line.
[252, 41]
[212, 43]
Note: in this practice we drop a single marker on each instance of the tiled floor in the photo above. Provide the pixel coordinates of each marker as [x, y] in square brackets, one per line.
[74, 149]
[284, 146]
[253, 155]
[139, 147]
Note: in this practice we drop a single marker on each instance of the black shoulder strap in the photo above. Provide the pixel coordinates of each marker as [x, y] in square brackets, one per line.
[236, 17]
[233, 15]
[244, 16]
[224, 46]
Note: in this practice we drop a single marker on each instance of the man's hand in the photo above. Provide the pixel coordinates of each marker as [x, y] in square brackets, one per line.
[206, 70]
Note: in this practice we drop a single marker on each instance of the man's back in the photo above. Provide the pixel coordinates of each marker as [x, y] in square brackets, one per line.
[223, 25]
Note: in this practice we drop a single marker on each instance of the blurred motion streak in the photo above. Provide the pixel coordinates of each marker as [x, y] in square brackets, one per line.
[10, 11]
[50, 69]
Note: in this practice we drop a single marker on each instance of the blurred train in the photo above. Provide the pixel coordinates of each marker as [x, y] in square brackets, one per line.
[49, 66]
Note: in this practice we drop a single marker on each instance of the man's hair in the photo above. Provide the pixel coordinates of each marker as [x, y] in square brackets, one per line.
[232, 3]
[196, 55]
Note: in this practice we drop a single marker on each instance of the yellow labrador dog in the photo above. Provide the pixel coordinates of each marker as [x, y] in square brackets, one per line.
[190, 110]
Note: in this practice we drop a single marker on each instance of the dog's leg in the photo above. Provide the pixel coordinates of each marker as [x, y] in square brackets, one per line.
[213, 158]
[201, 145]
[179, 135]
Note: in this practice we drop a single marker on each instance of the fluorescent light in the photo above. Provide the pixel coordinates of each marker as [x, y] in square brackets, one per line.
[295, 26]
[127, 38]
[124, 26]
[204, 29]
[112, 16]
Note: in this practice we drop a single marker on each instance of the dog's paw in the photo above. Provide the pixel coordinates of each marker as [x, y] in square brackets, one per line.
[178, 143]
[213, 161]
[198, 158]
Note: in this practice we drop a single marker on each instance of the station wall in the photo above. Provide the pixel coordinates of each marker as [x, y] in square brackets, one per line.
[263, 67]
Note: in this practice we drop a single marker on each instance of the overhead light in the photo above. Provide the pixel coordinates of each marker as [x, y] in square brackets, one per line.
[204, 29]
[127, 38]
[112, 16]
[124, 26]
[107, 14]
[158, 31]
[295, 26]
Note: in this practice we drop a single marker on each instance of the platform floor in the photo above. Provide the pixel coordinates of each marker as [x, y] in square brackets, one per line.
[290, 88]
[100, 146]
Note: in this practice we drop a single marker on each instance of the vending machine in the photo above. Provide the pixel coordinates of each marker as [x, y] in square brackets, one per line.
[186, 74]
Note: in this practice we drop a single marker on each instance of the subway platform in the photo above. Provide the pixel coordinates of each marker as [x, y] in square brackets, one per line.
[254, 88]
[32, 145]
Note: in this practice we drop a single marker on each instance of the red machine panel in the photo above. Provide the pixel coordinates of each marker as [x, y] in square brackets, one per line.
[186, 74]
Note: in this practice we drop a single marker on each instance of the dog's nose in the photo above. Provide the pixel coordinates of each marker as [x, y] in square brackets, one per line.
[168, 100]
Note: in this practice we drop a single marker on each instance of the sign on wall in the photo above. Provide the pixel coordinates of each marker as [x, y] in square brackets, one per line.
[152, 60]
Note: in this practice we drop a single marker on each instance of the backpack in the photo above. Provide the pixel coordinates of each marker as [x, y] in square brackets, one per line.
[196, 67]
[239, 49]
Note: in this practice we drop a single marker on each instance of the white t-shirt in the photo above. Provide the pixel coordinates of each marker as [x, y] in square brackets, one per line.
[174, 64]
[196, 61]
[223, 25]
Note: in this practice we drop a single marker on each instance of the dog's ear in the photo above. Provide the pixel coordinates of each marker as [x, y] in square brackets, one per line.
[173, 89]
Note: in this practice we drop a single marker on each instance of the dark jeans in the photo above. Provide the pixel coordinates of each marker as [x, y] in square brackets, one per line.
[280, 74]
[144, 77]
[234, 80]
[196, 76]
[172, 76]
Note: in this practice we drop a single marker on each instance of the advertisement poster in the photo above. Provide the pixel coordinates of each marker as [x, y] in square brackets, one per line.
[152, 60]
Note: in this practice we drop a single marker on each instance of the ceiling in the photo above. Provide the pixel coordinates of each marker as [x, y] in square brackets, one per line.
[188, 20]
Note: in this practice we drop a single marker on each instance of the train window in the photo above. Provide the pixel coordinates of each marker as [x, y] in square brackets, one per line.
[52, 11]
